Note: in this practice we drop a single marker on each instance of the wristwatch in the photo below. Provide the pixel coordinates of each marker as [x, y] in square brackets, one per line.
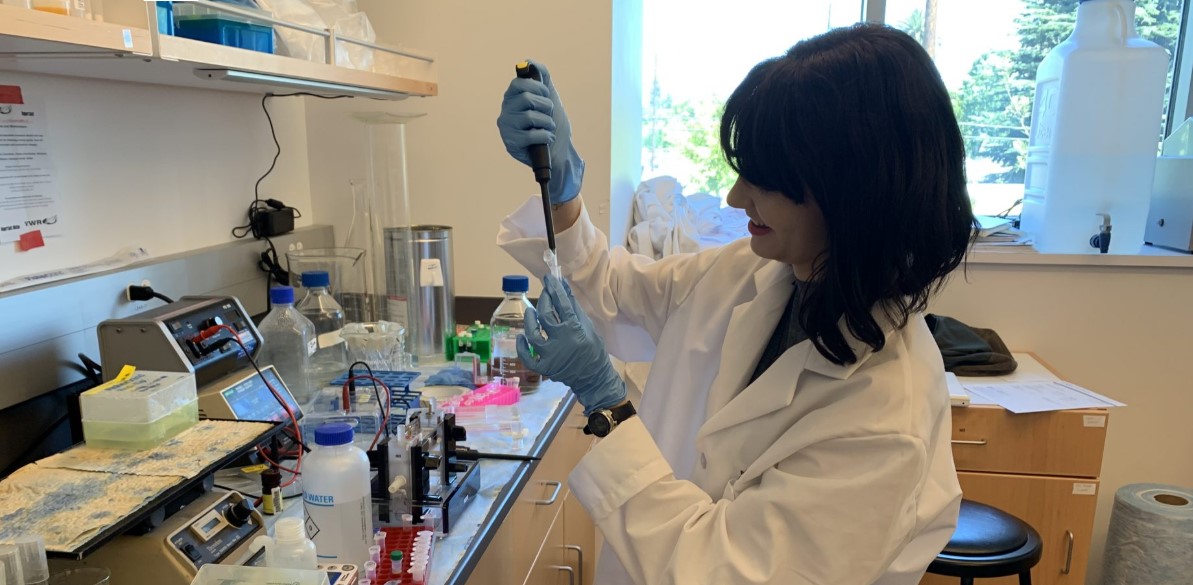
[602, 422]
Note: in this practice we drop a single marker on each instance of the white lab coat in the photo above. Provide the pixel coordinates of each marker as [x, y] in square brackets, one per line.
[813, 474]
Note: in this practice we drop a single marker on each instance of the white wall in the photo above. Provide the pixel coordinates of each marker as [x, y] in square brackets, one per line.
[460, 174]
[169, 169]
[1124, 332]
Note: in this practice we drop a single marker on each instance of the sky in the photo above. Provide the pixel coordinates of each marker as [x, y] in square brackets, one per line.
[702, 50]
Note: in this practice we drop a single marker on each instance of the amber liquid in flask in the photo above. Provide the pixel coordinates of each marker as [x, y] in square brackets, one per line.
[506, 325]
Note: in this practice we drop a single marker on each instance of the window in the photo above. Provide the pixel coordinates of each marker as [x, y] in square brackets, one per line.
[987, 53]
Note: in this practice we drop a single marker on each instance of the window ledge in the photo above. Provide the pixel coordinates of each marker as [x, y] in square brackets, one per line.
[1148, 256]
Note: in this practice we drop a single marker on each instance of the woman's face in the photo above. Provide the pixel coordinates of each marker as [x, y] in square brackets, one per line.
[781, 229]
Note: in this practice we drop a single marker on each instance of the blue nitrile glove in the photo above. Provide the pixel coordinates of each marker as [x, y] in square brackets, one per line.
[531, 113]
[571, 351]
[452, 376]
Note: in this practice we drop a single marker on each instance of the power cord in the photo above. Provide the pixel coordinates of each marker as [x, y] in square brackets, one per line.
[138, 292]
[95, 372]
[270, 217]
[212, 331]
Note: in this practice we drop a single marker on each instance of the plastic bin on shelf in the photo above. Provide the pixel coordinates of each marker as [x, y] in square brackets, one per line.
[140, 410]
[210, 25]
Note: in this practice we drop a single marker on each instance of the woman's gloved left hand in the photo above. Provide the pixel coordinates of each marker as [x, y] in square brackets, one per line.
[567, 349]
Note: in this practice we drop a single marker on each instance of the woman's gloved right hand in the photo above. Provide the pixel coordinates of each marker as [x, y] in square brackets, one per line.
[531, 113]
[561, 343]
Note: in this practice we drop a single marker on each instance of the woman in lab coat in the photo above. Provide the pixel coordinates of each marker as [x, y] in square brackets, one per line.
[795, 427]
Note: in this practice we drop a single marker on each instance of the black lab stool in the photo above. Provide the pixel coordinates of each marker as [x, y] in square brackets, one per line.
[988, 543]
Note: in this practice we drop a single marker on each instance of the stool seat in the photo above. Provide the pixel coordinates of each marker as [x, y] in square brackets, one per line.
[988, 543]
[985, 531]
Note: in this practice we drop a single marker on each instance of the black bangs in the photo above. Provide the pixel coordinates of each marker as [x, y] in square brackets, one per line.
[755, 139]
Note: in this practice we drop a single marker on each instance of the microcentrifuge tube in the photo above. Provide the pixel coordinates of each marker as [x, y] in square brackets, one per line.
[370, 569]
[375, 554]
[379, 540]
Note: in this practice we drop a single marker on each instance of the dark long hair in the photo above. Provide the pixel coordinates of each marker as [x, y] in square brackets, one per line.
[859, 119]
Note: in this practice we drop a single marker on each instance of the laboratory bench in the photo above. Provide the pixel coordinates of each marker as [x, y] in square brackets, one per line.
[523, 519]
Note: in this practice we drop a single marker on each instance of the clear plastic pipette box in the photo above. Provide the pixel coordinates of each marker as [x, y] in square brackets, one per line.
[139, 411]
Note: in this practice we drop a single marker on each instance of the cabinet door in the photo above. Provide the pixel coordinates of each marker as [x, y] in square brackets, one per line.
[579, 540]
[551, 566]
[523, 532]
[1060, 509]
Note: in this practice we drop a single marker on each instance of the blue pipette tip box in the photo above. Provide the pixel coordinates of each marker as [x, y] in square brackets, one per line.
[396, 380]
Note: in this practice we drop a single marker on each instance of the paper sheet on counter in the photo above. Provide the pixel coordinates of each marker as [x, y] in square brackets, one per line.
[1039, 396]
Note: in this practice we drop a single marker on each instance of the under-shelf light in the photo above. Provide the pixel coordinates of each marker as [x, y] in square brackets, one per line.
[320, 87]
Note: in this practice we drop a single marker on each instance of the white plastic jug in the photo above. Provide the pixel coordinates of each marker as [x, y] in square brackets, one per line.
[337, 497]
[1095, 131]
[289, 548]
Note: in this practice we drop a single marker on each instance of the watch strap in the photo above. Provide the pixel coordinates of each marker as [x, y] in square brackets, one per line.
[618, 414]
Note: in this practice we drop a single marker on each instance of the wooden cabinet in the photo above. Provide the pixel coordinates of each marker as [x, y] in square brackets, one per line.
[546, 538]
[1041, 467]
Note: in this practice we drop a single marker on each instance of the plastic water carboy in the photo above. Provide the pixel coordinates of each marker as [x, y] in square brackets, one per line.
[1095, 130]
[337, 499]
[289, 343]
[505, 327]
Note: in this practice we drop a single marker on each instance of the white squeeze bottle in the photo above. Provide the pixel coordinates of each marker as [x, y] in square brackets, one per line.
[1095, 132]
[336, 497]
[289, 548]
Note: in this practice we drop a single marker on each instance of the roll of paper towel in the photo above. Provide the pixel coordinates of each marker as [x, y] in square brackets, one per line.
[1150, 541]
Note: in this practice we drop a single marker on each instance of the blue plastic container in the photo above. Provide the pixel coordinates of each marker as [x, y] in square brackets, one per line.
[212, 26]
[225, 31]
[165, 18]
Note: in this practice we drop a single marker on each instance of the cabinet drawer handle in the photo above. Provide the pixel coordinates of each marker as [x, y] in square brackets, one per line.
[977, 442]
[579, 559]
[554, 494]
[571, 573]
[1069, 554]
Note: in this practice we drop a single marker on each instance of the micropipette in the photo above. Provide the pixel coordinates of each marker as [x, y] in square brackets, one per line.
[540, 161]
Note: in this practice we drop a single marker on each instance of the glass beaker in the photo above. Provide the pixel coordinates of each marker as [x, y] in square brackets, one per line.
[349, 274]
[380, 345]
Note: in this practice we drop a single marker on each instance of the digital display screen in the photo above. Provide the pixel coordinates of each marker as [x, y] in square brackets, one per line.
[252, 400]
[211, 524]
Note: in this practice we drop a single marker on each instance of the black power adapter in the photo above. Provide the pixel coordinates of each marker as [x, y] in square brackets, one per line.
[272, 219]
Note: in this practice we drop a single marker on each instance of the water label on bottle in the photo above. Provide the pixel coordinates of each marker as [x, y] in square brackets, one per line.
[342, 531]
[312, 346]
[430, 272]
[330, 338]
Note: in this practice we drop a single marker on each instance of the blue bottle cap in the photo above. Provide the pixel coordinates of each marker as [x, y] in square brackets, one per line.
[315, 278]
[515, 283]
[281, 295]
[332, 434]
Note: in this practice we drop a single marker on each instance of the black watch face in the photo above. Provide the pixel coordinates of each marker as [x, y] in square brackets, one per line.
[599, 424]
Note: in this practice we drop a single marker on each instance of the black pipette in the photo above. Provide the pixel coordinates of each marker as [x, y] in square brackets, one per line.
[540, 161]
